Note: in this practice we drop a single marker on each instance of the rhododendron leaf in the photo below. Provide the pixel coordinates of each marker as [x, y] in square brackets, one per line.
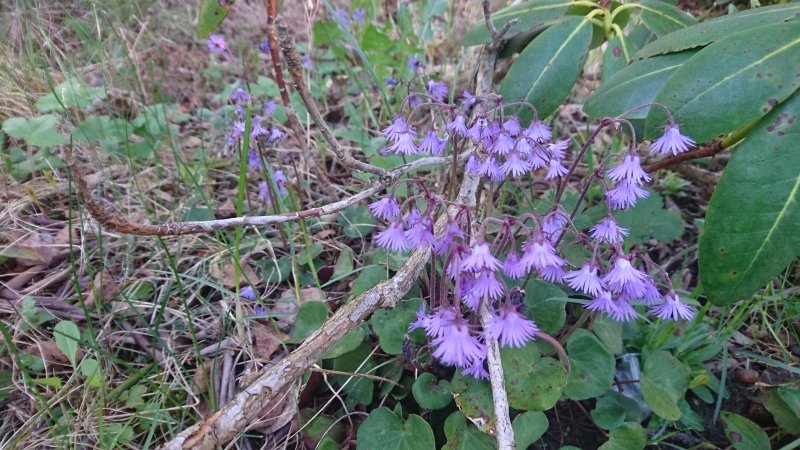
[730, 83]
[750, 233]
[533, 383]
[474, 398]
[431, 393]
[384, 430]
[614, 57]
[464, 436]
[529, 427]
[717, 28]
[662, 18]
[546, 70]
[591, 366]
[531, 15]
[211, 16]
[743, 433]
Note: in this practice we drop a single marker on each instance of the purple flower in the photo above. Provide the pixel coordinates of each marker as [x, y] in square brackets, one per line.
[421, 320]
[553, 274]
[630, 170]
[280, 182]
[480, 258]
[558, 150]
[265, 47]
[458, 347]
[512, 266]
[511, 328]
[476, 370]
[308, 63]
[393, 238]
[469, 296]
[555, 169]
[607, 230]
[437, 89]
[539, 253]
[515, 166]
[673, 309]
[358, 15]
[263, 192]
[397, 129]
[344, 15]
[623, 311]
[538, 131]
[276, 134]
[216, 43]
[487, 285]
[473, 164]
[625, 195]
[512, 127]
[626, 277]
[440, 322]
[476, 131]
[385, 208]
[671, 142]
[404, 145]
[491, 170]
[468, 99]
[458, 125]
[603, 303]
[554, 225]
[421, 233]
[248, 293]
[391, 82]
[269, 108]
[585, 280]
[451, 230]
[254, 160]
[536, 159]
[503, 144]
[432, 144]
[240, 95]
[651, 296]
[413, 64]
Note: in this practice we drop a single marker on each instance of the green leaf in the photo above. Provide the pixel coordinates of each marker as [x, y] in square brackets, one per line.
[529, 427]
[390, 325]
[750, 232]
[385, 431]
[347, 343]
[357, 390]
[614, 56]
[549, 315]
[718, 28]
[592, 366]
[633, 86]
[91, 371]
[37, 131]
[786, 414]
[67, 335]
[115, 435]
[730, 83]
[369, 277]
[310, 317]
[630, 436]
[664, 382]
[70, 94]
[533, 383]
[318, 426]
[546, 70]
[650, 220]
[211, 16]
[613, 409]
[357, 222]
[662, 18]
[474, 399]
[431, 393]
[463, 436]
[744, 434]
[609, 331]
[533, 15]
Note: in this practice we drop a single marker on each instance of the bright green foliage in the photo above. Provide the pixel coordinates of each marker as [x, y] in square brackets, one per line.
[391, 325]
[67, 335]
[310, 317]
[462, 435]
[664, 382]
[750, 233]
[356, 222]
[533, 382]
[37, 131]
[743, 433]
[650, 220]
[431, 393]
[211, 16]
[532, 17]
[613, 409]
[529, 427]
[591, 366]
[663, 18]
[386, 431]
[630, 436]
[474, 399]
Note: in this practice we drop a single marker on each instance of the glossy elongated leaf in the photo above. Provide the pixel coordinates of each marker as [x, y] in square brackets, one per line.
[532, 15]
[750, 233]
[662, 18]
[743, 433]
[712, 30]
[635, 85]
[547, 69]
[617, 56]
[731, 83]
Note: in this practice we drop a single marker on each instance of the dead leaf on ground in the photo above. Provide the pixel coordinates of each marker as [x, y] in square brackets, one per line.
[223, 271]
[103, 289]
[49, 352]
[278, 413]
[288, 303]
[266, 339]
[40, 248]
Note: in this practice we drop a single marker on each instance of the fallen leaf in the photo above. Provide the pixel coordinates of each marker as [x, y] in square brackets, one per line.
[103, 289]
[49, 352]
[223, 271]
[266, 339]
[39, 248]
[285, 308]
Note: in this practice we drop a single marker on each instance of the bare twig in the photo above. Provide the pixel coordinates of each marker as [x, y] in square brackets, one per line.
[295, 68]
[275, 55]
[711, 150]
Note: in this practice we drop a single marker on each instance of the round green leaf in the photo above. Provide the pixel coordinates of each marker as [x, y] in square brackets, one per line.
[368, 278]
[474, 398]
[532, 15]
[718, 28]
[309, 317]
[391, 325]
[533, 383]
[463, 436]
[541, 307]
[743, 433]
[358, 390]
[650, 220]
[547, 69]
[431, 393]
[662, 18]
[731, 83]
[591, 364]
[347, 343]
[383, 430]
[529, 427]
[613, 409]
[750, 233]
[664, 382]
[630, 436]
[633, 86]
[356, 222]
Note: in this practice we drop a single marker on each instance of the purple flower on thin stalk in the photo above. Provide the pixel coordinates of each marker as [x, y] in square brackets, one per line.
[515, 166]
[451, 231]
[555, 169]
[476, 131]
[558, 150]
[413, 64]
[553, 274]
[608, 231]
[458, 347]
[673, 309]
[623, 311]
[585, 279]
[405, 145]
[421, 321]
[672, 142]
[264, 47]
[469, 296]
[421, 233]
[393, 238]
[240, 95]
[603, 303]
[263, 193]
[437, 89]
[216, 44]
[651, 296]
[491, 170]
[254, 160]
[511, 328]
[398, 128]
[359, 15]
[248, 293]
[308, 63]
[554, 225]
[624, 195]
[281, 182]
[432, 144]
[512, 266]
[458, 125]
[630, 170]
[487, 285]
[269, 108]
[468, 99]
[440, 322]
[538, 131]
[480, 258]
[536, 159]
[539, 253]
[391, 82]
[503, 144]
[276, 134]
[626, 277]
[385, 208]
[476, 370]
[512, 127]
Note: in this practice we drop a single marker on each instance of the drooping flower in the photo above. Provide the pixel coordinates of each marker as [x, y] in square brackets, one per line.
[451, 231]
[269, 108]
[421, 320]
[539, 253]
[558, 150]
[585, 279]
[480, 258]
[248, 293]
[263, 192]
[398, 127]
[673, 308]
[239, 95]
[476, 370]
[624, 195]
[458, 125]
[440, 322]
[217, 44]
[625, 277]
[607, 230]
[672, 142]
[458, 347]
[555, 169]
[254, 160]
[512, 127]
[630, 170]
[554, 225]
[404, 145]
[437, 89]
[515, 166]
[553, 274]
[413, 64]
[623, 311]
[385, 208]
[487, 285]
[603, 303]
[393, 238]
[538, 131]
[503, 144]
[491, 170]
[478, 128]
[511, 328]
[468, 99]
[512, 266]
[359, 15]
[281, 182]
[432, 144]
[264, 47]
[421, 233]
[275, 134]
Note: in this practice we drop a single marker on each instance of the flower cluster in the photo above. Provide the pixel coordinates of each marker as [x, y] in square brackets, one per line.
[482, 266]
